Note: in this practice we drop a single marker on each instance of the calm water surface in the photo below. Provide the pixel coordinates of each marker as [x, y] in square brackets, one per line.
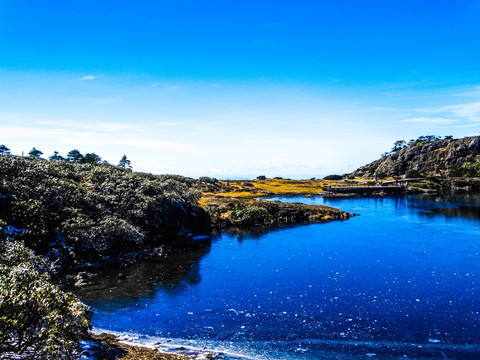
[399, 281]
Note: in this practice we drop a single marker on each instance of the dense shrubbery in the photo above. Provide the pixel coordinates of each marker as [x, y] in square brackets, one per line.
[37, 319]
[467, 169]
[87, 211]
[333, 177]
[244, 214]
[412, 174]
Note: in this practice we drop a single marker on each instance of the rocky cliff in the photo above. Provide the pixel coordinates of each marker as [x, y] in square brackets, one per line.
[447, 157]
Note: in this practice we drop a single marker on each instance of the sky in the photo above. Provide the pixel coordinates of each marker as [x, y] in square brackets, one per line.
[237, 89]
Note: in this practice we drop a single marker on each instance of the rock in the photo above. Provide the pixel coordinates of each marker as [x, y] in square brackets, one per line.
[427, 158]
[82, 278]
[121, 276]
[81, 283]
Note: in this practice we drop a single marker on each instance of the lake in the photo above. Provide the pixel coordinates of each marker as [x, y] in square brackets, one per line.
[401, 280]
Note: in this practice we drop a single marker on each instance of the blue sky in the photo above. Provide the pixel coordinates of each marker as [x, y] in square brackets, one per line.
[237, 89]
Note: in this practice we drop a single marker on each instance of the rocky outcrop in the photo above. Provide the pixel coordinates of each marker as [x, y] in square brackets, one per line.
[240, 212]
[444, 157]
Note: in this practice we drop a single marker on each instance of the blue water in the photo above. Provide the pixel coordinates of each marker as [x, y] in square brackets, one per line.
[398, 281]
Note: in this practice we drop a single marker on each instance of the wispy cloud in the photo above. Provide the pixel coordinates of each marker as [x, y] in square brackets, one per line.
[76, 125]
[428, 120]
[466, 111]
[475, 92]
[470, 110]
[87, 77]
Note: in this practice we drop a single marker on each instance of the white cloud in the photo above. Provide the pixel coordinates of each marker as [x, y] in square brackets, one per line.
[469, 110]
[87, 77]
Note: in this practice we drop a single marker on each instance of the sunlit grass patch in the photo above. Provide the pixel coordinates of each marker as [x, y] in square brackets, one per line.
[241, 194]
[280, 186]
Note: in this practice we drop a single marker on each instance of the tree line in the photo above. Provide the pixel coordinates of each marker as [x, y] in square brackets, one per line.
[421, 140]
[73, 156]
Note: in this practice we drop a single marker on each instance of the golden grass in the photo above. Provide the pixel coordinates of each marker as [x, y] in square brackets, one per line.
[241, 194]
[261, 188]
[280, 186]
[268, 187]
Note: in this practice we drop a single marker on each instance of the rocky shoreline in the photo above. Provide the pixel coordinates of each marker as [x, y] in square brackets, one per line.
[108, 347]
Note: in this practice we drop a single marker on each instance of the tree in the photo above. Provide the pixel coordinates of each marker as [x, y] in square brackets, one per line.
[91, 158]
[399, 145]
[56, 157]
[429, 138]
[75, 156]
[448, 137]
[34, 153]
[4, 150]
[125, 163]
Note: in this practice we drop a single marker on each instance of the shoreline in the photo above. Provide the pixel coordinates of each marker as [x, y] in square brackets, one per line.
[106, 345]
[110, 345]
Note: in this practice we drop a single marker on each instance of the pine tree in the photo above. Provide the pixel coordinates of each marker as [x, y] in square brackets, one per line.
[91, 158]
[56, 157]
[75, 156]
[125, 163]
[34, 153]
[4, 150]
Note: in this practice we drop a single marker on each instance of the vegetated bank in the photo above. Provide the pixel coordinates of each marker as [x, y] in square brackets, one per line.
[78, 214]
[73, 216]
[59, 216]
[238, 203]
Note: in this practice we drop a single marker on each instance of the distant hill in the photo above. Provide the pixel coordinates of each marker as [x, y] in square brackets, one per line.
[427, 157]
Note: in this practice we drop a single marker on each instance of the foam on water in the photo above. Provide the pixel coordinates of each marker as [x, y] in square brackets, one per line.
[299, 349]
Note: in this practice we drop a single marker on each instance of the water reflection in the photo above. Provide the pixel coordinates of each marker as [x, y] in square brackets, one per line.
[174, 272]
[252, 232]
[451, 205]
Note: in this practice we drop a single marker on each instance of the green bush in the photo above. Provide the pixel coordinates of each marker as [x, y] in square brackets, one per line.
[244, 214]
[37, 319]
[333, 177]
[470, 168]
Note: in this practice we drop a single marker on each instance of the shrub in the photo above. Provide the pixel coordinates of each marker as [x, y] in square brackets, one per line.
[207, 180]
[412, 174]
[94, 210]
[333, 177]
[37, 319]
[381, 175]
[244, 214]
[471, 169]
